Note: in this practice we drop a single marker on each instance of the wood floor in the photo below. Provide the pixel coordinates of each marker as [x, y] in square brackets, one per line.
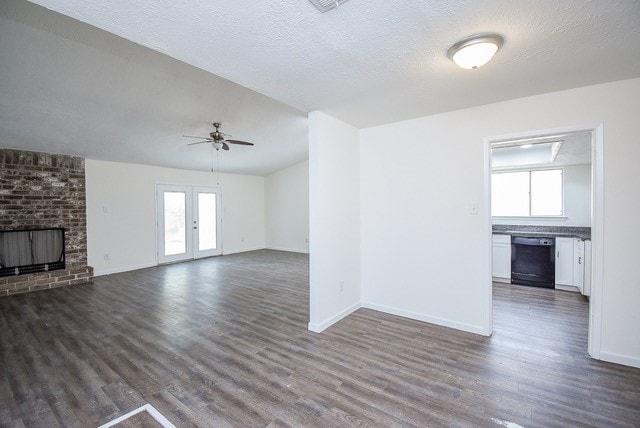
[224, 342]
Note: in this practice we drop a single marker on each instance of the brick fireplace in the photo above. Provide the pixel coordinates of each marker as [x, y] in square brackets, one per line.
[39, 191]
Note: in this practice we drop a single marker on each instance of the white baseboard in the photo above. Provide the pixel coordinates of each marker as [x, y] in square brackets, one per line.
[226, 252]
[626, 360]
[101, 272]
[290, 250]
[503, 280]
[477, 329]
[319, 327]
[570, 288]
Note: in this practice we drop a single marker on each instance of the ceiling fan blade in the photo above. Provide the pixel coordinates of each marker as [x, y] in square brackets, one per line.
[225, 146]
[199, 142]
[199, 138]
[242, 143]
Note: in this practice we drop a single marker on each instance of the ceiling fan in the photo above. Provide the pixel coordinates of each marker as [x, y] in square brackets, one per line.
[217, 139]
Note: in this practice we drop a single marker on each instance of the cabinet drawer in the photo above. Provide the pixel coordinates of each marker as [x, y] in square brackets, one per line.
[502, 239]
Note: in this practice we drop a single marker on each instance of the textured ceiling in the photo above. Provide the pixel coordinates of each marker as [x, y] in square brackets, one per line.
[372, 62]
[68, 86]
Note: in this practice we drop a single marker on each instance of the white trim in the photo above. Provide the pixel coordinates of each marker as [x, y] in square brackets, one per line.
[242, 250]
[314, 228]
[487, 263]
[195, 193]
[570, 288]
[626, 360]
[290, 250]
[191, 214]
[477, 329]
[188, 254]
[533, 217]
[597, 242]
[320, 327]
[101, 272]
[597, 221]
[155, 414]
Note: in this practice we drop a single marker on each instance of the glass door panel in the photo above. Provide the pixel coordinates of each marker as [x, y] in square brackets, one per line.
[208, 222]
[189, 222]
[175, 223]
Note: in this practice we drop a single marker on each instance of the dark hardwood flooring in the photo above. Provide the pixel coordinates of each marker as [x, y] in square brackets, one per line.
[224, 342]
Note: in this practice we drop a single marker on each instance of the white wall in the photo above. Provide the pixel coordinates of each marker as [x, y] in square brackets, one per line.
[334, 205]
[425, 255]
[127, 231]
[287, 208]
[422, 252]
[577, 201]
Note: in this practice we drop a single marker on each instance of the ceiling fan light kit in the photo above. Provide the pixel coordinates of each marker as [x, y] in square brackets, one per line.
[217, 139]
[475, 51]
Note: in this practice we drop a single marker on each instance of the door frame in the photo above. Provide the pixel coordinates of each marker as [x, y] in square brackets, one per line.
[190, 238]
[597, 227]
[197, 254]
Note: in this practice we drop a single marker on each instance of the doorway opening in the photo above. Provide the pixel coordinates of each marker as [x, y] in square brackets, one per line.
[189, 222]
[544, 189]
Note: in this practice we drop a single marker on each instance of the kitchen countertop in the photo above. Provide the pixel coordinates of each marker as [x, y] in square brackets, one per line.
[550, 231]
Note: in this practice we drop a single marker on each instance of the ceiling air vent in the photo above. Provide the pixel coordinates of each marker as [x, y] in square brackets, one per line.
[325, 5]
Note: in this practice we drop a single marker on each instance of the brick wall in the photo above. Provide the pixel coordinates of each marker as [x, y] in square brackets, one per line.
[42, 190]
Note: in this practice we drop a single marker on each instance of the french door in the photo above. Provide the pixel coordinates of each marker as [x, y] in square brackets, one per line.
[189, 222]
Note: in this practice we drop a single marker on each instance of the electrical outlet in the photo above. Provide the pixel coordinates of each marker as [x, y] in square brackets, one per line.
[306, 240]
[242, 239]
[341, 286]
[106, 256]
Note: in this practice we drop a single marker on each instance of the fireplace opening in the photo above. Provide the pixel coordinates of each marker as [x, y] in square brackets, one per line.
[30, 251]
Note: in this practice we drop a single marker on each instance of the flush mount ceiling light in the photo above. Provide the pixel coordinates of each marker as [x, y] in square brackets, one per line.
[475, 51]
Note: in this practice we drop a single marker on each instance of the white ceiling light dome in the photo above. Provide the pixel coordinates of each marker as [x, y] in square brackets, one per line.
[475, 51]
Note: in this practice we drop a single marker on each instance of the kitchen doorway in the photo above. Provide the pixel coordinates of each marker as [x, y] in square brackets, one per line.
[532, 175]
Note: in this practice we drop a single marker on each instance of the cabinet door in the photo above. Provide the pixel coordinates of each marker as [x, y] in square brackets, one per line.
[564, 261]
[586, 289]
[578, 264]
[502, 261]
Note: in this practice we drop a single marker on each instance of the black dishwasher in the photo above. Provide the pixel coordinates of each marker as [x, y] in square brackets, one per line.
[533, 261]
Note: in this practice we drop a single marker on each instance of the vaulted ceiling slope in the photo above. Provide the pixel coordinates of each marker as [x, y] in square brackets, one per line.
[69, 87]
[123, 81]
[372, 62]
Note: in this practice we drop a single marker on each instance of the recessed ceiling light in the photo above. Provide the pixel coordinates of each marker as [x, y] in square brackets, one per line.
[526, 146]
[475, 51]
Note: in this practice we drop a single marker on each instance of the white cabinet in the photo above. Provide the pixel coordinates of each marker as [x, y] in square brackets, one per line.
[578, 264]
[586, 289]
[501, 258]
[573, 264]
[564, 261]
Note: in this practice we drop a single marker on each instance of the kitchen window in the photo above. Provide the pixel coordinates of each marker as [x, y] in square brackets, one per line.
[532, 193]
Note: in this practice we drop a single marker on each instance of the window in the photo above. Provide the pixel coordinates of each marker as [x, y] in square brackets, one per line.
[526, 193]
